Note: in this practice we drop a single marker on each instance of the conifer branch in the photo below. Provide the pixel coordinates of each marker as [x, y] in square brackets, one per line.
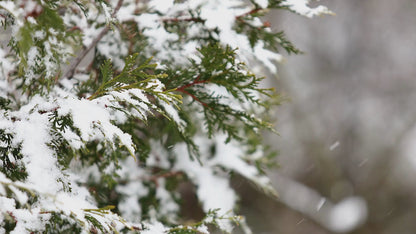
[251, 12]
[191, 19]
[197, 81]
[86, 130]
[193, 97]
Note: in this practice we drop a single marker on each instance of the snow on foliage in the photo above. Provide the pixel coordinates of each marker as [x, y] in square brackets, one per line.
[301, 7]
[108, 106]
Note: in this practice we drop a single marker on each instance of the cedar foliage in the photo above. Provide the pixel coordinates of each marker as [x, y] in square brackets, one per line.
[107, 107]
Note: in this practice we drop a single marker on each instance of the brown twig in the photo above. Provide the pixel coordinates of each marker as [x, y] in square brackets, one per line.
[194, 97]
[131, 34]
[183, 88]
[255, 10]
[104, 31]
[192, 19]
[195, 82]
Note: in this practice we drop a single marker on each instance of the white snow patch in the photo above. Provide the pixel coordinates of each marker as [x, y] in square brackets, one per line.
[301, 7]
[262, 3]
[348, 214]
[320, 203]
[334, 146]
[213, 190]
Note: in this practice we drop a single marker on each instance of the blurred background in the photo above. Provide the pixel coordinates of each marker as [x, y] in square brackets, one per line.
[348, 131]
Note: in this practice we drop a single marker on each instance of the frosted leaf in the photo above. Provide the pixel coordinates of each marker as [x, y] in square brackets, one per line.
[39, 160]
[262, 3]
[21, 197]
[29, 220]
[225, 225]
[209, 11]
[161, 6]
[7, 204]
[153, 228]
[16, 11]
[173, 114]
[89, 116]
[203, 229]
[135, 97]
[73, 139]
[301, 7]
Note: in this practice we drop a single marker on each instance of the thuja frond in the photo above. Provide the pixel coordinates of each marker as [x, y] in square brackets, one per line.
[224, 88]
[187, 107]
[262, 33]
[133, 76]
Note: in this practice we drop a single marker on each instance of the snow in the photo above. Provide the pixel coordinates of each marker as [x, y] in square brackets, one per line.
[73, 139]
[16, 11]
[39, 159]
[168, 206]
[203, 229]
[39, 35]
[7, 204]
[132, 191]
[320, 204]
[231, 156]
[348, 214]
[262, 3]
[159, 156]
[89, 116]
[301, 7]
[210, 186]
[154, 227]
[97, 119]
[152, 24]
[173, 113]
[28, 221]
[107, 11]
[209, 11]
[161, 6]
[129, 206]
[21, 197]
[334, 146]
[114, 48]
[6, 66]
[158, 36]
[32, 60]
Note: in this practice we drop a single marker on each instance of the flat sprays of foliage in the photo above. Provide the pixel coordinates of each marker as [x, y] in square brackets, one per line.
[108, 107]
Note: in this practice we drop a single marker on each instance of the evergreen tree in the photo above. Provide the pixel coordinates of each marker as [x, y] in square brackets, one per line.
[107, 107]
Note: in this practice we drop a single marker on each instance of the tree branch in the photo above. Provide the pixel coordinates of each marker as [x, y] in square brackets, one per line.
[197, 81]
[77, 61]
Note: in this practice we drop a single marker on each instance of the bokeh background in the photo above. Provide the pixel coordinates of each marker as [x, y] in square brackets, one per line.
[348, 130]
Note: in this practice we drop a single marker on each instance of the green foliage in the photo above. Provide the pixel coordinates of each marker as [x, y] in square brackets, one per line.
[10, 157]
[133, 77]
[59, 223]
[271, 40]
[6, 20]
[152, 103]
[219, 67]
